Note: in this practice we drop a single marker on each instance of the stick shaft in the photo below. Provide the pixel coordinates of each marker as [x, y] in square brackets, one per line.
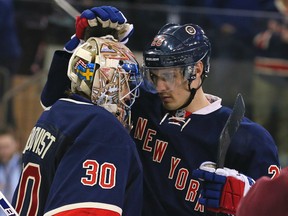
[68, 8]
[230, 129]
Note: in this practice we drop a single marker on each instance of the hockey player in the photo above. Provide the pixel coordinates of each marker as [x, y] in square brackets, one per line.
[79, 159]
[180, 132]
[177, 126]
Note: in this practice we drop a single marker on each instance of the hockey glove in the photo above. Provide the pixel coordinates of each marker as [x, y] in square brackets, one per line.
[222, 188]
[100, 21]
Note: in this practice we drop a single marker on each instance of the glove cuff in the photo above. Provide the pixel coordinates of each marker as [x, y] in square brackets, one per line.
[125, 32]
[72, 44]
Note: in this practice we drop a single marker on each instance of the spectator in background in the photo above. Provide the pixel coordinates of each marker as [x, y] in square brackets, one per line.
[10, 52]
[10, 163]
[270, 87]
[232, 27]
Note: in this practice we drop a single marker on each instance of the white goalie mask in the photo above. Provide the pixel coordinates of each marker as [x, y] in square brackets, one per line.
[107, 72]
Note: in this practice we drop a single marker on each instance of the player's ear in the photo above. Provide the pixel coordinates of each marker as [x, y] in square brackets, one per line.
[198, 68]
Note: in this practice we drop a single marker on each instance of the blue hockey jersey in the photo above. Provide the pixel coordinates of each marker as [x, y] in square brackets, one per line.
[171, 147]
[79, 160]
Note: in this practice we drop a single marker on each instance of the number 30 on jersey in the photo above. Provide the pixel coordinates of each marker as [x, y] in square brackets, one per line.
[104, 174]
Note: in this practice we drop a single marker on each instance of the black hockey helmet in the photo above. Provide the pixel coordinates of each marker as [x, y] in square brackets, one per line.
[178, 45]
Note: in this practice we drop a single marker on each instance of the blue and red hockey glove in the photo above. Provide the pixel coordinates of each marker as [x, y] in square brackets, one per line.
[106, 20]
[223, 188]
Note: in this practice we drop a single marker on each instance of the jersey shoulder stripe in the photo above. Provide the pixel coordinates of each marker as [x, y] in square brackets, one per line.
[86, 208]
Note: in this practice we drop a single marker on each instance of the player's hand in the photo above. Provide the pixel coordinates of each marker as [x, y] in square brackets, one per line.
[222, 188]
[102, 20]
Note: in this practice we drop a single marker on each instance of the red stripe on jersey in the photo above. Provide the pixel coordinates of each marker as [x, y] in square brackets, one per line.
[87, 211]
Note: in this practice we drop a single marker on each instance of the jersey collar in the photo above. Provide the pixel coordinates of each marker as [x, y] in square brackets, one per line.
[215, 104]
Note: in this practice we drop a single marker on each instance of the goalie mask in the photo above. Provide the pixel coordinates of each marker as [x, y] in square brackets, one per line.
[107, 72]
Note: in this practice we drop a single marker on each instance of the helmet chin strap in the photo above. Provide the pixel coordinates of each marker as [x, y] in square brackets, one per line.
[190, 98]
[192, 94]
[192, 91]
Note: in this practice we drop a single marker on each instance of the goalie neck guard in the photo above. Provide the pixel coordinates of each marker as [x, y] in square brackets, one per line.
[103, 70]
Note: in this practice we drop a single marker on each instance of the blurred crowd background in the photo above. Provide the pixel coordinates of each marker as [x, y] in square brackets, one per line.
[249, 53]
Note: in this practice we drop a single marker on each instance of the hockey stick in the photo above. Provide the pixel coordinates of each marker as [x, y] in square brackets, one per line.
[68, 8]
[230, 128]
[6, 206]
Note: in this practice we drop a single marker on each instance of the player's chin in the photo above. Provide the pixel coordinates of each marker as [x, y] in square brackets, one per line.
[169, 106]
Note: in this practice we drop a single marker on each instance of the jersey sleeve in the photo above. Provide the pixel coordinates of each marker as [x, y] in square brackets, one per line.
[255, 151]
[100, 174]
[57, 81]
